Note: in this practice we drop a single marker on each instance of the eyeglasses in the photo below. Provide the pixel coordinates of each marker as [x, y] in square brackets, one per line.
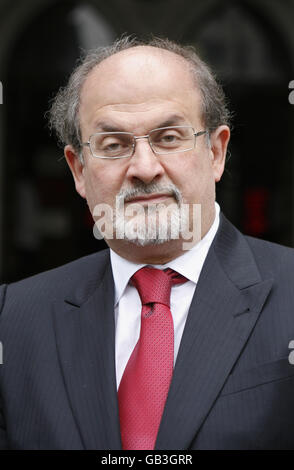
[163, 141]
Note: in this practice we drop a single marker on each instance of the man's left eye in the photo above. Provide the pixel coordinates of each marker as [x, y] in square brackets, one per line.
[169, 138]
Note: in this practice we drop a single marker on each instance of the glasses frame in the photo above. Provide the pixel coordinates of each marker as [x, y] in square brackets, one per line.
[137, 137]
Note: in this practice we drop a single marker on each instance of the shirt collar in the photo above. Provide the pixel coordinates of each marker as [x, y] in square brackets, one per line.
[189, 264]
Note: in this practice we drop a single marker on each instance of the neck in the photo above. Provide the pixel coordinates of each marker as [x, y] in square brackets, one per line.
[151, 254]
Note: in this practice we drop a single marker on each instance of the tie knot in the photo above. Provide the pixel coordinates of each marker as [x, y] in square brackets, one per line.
[154, 285]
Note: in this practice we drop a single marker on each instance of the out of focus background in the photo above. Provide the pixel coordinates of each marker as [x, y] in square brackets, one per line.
[250, 46]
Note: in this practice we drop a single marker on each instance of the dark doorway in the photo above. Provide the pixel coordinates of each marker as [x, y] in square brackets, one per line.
[250, 57]
[46, 222]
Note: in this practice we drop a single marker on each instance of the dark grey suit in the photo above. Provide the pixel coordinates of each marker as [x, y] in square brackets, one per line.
[233, 385]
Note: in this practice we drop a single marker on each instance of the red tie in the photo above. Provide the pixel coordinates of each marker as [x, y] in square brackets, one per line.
[144, 385]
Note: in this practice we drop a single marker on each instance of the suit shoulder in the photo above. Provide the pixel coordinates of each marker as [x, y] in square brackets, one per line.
[266, 246]
[270, 254]
[58, 281]
[3, 290]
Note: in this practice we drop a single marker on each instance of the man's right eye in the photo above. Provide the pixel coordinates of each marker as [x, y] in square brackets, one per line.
[111, 146]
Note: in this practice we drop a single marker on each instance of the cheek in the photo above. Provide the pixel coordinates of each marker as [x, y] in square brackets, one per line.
[195, 178]
[188, 173]
[101, 185]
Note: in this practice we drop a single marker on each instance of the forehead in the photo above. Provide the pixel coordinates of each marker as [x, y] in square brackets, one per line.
[138, 84]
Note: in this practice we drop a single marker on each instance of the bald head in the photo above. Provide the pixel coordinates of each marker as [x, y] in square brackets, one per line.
[143, 61]
[134, 81]
[64, 112]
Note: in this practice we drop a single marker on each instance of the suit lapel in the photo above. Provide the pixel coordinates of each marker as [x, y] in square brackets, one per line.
[85, 342]
[228, 300]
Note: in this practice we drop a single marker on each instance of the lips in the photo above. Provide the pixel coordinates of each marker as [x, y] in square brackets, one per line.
[148, 198]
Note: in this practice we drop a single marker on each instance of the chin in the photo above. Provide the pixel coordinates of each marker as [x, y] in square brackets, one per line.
[143, 242]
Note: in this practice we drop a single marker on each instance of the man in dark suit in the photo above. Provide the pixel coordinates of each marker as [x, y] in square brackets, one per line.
[94, 355]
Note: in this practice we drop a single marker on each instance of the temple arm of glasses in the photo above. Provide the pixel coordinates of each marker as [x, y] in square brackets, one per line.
[197, 134]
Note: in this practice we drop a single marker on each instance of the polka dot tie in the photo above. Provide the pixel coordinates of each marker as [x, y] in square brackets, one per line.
[144, 385]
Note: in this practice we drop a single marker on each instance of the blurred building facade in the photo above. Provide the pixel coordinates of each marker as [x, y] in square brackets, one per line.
[250, 46]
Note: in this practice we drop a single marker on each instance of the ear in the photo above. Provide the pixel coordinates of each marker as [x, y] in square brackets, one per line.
[219, 142]
[77, 169]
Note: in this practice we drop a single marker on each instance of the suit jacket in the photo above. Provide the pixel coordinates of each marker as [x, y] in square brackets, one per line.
[233, 383]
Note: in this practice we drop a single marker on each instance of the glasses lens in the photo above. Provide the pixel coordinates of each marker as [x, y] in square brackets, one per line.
[111, 144]
[172, 139]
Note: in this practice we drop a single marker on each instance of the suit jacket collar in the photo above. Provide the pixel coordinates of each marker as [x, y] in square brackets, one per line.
[227, 302]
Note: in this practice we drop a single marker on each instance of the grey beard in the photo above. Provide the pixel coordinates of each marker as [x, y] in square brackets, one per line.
[157, 224]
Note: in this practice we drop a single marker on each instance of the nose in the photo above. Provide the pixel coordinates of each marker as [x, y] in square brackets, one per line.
[144, 164]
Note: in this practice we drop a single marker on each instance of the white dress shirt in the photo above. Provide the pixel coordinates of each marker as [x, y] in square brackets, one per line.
[128, 305]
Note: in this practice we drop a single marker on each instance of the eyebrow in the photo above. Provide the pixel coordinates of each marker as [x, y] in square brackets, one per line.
[174, 120]
[103, 126]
